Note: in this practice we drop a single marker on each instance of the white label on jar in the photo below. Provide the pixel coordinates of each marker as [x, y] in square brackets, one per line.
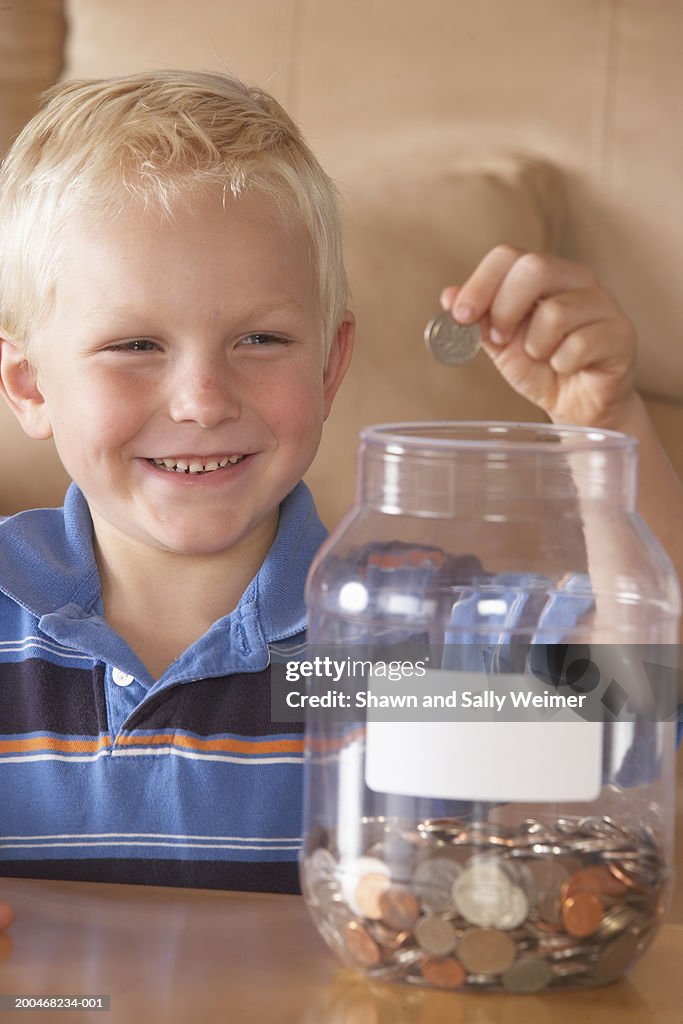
[500, 738]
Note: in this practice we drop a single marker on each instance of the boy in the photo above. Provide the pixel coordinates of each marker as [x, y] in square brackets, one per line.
[173, 312]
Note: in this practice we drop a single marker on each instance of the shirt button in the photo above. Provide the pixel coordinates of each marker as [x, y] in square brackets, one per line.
[121, 678]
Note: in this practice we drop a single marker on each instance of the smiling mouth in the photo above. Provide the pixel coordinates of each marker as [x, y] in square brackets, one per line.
[192, 466]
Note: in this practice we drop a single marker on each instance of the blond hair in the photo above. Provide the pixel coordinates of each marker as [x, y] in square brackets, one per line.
[154, 137]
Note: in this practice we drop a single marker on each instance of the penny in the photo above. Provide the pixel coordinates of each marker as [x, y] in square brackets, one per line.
[486, 951]
[368, 891]
[351, 872]
[450, 342]
[581, 914]
[399, 907]
[443, 972]
[528, 974]
[597, 878]
[360, 945]
[390, 940]
[435, 935]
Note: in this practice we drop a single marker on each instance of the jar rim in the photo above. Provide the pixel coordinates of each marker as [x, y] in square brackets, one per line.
[486, 435]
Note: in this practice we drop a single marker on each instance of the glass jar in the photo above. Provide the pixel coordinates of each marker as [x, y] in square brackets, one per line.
[490, 730]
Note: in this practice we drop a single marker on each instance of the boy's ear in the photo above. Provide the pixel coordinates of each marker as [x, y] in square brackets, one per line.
[19, 387]
[338, 359]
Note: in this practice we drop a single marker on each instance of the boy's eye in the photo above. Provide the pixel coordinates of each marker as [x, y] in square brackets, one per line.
[260, 339]
[134, 345]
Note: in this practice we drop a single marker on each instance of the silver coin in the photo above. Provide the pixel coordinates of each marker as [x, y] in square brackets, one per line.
[450, 342]
[435, 935]
[433, 881]
[528, 974]
[482, 894]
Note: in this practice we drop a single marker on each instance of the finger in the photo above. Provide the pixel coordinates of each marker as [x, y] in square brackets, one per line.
[475, 296]
[532, 277]
[554, 318]
[607, 345]
[448, 296]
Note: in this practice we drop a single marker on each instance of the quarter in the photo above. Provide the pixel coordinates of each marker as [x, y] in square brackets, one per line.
[450, 342]
[486, 951]
[435, 935]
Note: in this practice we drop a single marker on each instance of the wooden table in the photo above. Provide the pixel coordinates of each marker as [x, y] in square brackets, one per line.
[188, 955]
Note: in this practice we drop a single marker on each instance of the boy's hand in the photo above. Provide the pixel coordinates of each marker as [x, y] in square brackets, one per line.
[554, 334]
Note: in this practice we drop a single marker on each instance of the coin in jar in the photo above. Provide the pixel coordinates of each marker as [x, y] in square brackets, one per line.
[598, 878]
[350, 873]
[368, 891]
[444, 972]
[616, 958]
[433, 881]
[482, 893]
[399, 907]
[435, 935]
[450, 342]
[486, 951]
[528, 974]
[581, 914]
[361, 945]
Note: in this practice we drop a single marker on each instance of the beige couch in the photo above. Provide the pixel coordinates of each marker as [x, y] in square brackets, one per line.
[449, 126]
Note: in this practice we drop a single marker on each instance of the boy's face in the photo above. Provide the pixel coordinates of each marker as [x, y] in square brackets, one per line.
[193, 341]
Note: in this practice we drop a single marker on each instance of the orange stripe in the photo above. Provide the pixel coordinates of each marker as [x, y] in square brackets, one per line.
[226, 746]
[51, 743]
[324, 745]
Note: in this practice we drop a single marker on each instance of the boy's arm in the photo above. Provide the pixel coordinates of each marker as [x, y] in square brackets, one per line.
[562, 342]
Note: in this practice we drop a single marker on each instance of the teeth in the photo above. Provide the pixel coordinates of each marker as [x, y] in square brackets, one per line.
[180, 466]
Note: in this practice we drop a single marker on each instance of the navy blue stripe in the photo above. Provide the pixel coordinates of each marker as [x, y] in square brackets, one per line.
[276, 876]
[37, 696]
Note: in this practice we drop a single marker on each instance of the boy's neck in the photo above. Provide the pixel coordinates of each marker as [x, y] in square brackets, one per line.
[161, 602]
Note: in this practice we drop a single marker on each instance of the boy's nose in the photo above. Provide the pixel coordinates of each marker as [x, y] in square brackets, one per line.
[205, 398]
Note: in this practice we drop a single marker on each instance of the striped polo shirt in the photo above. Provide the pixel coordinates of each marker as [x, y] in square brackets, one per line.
[109, 775]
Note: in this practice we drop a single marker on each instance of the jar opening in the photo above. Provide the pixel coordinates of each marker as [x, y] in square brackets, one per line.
[448, 436]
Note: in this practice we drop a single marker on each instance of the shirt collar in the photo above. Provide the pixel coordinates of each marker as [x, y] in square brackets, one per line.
[47, 562]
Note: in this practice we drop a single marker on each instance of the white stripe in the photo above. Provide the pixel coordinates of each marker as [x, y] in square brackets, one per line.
[17, 646]
[199, 846]
[14, 759]
[245, 759]
[148, 752]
